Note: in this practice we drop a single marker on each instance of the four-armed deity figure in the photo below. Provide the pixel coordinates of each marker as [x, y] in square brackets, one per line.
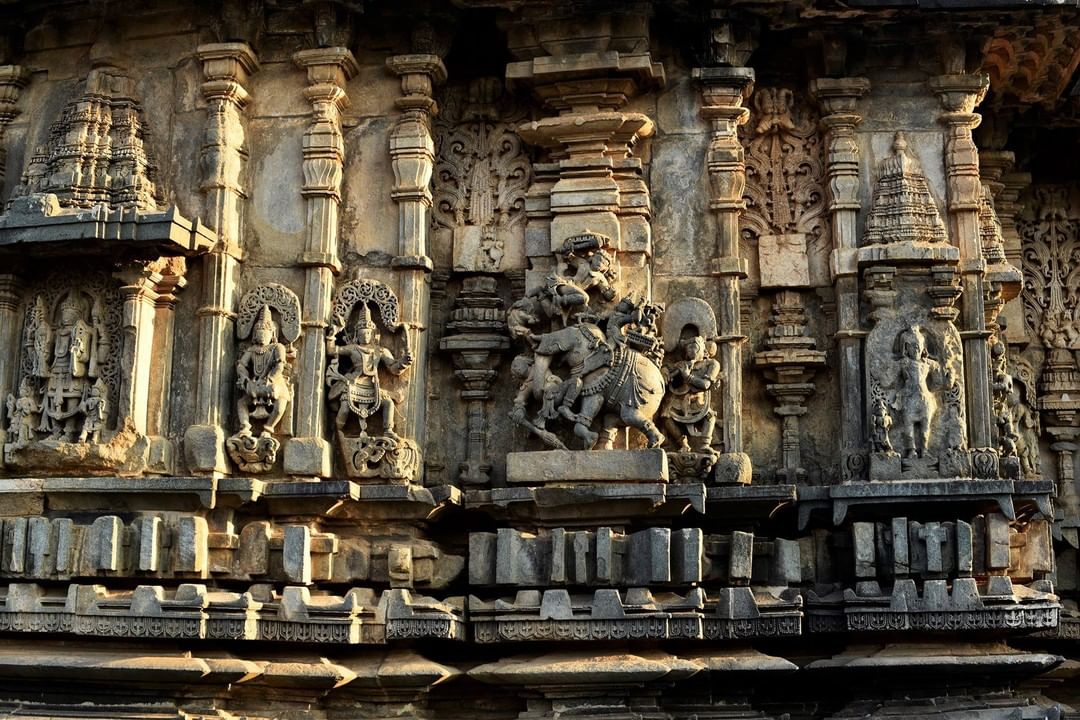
[357, 389]
[70, 364]
[262, 376]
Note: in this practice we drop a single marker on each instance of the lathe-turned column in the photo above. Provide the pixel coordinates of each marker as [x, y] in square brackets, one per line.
[328, 69]
[723, 91]
[412, 154]
[837, 98]
[226, 67]
[959, 95]
[13, 79]
[10, 322]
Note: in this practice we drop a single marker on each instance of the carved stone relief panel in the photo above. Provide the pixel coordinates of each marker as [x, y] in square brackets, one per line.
[263, 373]
[96, 150]
[358, 364]
[481, 176]
[69, 374]
[785, 195]
[1051, 257]
[914, 354]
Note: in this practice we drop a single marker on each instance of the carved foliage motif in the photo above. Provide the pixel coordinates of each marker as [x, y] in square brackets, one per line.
[96, 151]
[481, 176]
[70, 360]
[1051, 265]
[784, 166]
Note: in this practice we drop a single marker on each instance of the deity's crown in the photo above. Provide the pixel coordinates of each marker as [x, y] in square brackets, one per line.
[72, 302]
[265, 319]
[364, 321]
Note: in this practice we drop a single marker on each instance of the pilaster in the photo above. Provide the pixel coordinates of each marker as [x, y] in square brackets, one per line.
[412, 155]
[838, 98]
[10, 322]
[328, 69]
[226, 67]
[959, 95]
[13, 78]
[723, 91]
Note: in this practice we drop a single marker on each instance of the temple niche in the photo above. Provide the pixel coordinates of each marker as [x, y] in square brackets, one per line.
[359, 365]
[914, 360]
[69, 378]
[264, 374]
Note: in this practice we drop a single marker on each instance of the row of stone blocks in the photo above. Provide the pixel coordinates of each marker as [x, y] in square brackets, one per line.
[361, 616]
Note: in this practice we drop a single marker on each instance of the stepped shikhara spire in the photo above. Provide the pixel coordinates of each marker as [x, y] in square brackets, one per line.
[96, 149]
[903, 209]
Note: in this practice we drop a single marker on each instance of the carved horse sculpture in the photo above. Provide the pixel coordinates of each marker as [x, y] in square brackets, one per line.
[608, 377]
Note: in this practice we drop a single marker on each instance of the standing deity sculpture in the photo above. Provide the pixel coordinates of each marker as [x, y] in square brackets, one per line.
[79, 344]
[357, 360]
[263, 374]
[23, 414]
[692, 374]
[357, 388]
[687, 413]
[915, 400]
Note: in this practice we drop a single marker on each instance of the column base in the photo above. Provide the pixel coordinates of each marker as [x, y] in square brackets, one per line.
[307, 456]
[204, 449]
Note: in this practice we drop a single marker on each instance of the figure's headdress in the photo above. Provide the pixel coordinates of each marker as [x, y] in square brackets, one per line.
[265, 320]
[363, 320]
[72, 302]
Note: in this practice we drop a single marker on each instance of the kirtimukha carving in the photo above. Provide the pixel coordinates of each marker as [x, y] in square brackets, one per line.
[481, 176]
[70, 364]
[356, 362]
[263, 374]
[687, 412]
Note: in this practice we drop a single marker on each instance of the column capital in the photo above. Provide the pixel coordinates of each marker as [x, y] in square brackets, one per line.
[419, 73]
[839, 95]
[960, 93]
[724, 86]
[232, 61]
[333, 65]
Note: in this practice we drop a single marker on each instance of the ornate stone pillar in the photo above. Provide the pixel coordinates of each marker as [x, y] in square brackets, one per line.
[959, 94]
[138, 287]
[412, 155]
[328, 69]
[13, 79]
[10, 324]
[837, 98]
[226, 67]
[1007, 187]
[723, 90]
[476, 338]
[172, 281]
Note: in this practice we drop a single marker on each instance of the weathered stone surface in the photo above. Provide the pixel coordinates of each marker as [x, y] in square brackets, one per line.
[338, 339]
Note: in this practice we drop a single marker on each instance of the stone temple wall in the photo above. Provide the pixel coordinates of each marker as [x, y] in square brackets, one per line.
[539, 359]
